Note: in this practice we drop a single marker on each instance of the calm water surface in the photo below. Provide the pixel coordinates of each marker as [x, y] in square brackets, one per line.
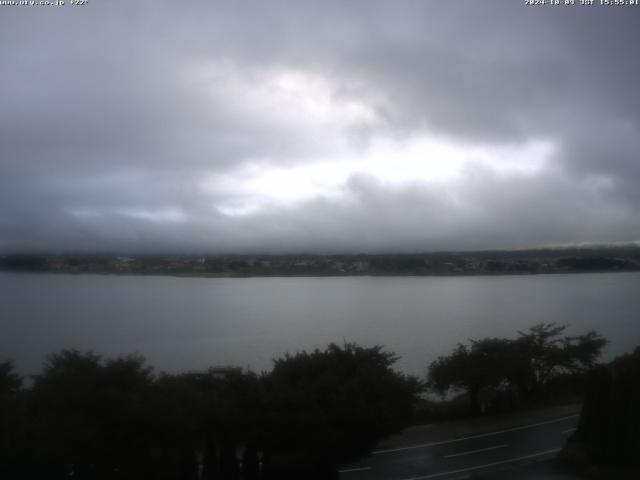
[191, 323]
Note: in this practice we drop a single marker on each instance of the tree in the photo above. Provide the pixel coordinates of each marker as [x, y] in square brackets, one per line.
[10, 381]
[543, 354]
[526, 364]
[330, 405]
[89, 415]
[207, 419]
[610, 421]
[11, 419]
[485, 363]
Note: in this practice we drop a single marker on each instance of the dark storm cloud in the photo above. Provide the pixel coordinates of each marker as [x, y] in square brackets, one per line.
[113, 117]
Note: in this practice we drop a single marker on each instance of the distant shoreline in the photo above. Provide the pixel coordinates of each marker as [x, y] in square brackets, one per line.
[311, 275]
[443, 264]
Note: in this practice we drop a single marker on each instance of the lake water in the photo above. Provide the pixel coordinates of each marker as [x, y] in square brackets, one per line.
[192, 323]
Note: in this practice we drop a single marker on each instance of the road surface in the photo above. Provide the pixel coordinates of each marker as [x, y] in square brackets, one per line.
[462, 456]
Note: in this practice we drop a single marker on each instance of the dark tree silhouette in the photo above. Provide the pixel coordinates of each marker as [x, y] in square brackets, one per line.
[11, 420]
[484, 364]
[332, 405]
[543, 354]
[525, 365]
[88, 417]
[205, 421]
[10, 381]
[609, 425]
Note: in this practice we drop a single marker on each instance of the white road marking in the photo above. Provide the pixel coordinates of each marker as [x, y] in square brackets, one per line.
[360, 469]
[486, 465]
[482, 435]
[475, 451]
[568, 430]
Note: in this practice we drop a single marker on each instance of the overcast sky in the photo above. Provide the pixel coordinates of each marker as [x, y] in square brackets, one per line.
[319, 126]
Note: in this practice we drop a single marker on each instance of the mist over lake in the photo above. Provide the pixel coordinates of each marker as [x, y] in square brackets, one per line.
[192, 323]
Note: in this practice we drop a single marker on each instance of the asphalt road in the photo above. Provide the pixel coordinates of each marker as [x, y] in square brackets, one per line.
[467, 455]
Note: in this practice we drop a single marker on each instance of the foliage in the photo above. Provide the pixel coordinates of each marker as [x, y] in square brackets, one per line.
[335, 404]
[89, 417]
[10, 381]
[609, 426]
[90, 414]
[543, 354]
[10, 416]
[521, 368]
[485, 363]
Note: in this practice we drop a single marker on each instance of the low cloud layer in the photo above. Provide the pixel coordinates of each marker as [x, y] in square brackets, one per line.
[317, 126]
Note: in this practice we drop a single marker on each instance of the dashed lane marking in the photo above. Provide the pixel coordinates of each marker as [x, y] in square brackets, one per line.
[486, 465]
[359, 469]
[475, 451]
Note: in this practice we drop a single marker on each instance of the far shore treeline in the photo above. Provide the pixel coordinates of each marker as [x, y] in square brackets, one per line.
[614, 258]
[89, 417]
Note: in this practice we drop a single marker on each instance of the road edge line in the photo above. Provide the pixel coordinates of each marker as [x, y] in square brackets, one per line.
[486, 465]
[482, 435]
